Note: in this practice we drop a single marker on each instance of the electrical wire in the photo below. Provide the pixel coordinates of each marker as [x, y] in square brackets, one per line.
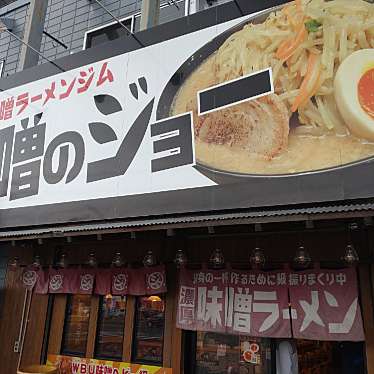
[172, 2]
[32, 48]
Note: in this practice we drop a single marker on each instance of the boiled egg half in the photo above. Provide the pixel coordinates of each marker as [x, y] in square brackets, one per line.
[354, 92]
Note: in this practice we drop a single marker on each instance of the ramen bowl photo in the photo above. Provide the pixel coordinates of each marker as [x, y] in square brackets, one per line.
[321, 113]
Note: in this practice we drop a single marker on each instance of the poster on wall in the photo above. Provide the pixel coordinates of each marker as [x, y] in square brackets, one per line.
[77, 365]
[267, 106]
[318, 304]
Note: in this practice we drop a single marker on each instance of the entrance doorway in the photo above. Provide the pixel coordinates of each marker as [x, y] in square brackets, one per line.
[217, 353]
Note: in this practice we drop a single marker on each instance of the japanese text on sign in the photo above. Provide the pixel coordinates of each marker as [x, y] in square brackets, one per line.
[319, 304]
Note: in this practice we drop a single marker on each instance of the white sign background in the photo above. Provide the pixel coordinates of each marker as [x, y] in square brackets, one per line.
[157, 63]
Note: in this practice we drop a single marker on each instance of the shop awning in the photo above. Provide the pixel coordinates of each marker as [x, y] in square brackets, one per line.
[249, 216]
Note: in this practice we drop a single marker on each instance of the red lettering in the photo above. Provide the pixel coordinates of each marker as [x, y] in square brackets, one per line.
[75, 367]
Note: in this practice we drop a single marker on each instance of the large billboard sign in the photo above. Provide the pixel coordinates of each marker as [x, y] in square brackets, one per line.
[268, 108]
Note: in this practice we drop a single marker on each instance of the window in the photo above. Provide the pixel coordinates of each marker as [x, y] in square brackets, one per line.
[223, 353]
[107, 33]
[149, 330]
[74, 340]
[110, 327]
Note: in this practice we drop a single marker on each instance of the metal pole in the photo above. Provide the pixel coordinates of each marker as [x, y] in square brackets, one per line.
[33, 34]
[22, 342]
[150, 14]
[119, 22]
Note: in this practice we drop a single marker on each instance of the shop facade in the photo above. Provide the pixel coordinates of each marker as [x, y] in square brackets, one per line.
[130, 254]
[79, 330]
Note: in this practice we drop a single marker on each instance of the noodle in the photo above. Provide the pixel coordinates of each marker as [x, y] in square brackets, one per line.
[339, 28]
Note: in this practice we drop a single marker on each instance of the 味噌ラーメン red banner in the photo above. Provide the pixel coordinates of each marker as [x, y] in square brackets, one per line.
[235, 302]
[318, 304]
[325, 306]
[115, 281]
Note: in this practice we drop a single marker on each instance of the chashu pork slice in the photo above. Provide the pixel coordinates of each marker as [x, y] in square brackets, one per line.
[260, 126]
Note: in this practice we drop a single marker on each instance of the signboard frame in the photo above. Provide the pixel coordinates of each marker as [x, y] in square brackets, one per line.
[229, 192]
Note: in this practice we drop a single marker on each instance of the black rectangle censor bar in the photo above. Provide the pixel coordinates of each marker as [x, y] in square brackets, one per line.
[236, 91]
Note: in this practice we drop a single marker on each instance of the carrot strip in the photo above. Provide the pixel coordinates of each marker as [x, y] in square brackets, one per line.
[289, 16]
[289, 46]
[310, 82]
[313, 91]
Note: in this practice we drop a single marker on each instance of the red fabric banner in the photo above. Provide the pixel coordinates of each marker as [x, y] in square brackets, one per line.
[103, 282]
[29, 277]
[323, 304]
[137, 282]
[115, 281]
[83, 281]
[60, 281]
[155, 280]
[235, 302]
[120, 282]
[42, 282]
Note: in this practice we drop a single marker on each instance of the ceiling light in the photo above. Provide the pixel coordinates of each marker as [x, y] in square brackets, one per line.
[257, 258]
[118, 260]
[92, 261]
[149, 259]
[302, 258]
[180, 258]
[350, 256]
[217, 261]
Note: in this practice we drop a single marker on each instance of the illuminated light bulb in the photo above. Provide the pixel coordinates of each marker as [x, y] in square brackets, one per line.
[154, 299]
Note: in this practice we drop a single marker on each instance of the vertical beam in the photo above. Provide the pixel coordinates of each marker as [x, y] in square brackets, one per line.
[150, 14]
[191, 7]
[10, 321]
[57, 324]
[129, 328]
[177, 360]
[35, 330]
[365, 276]
[169, 314]
[33, 33]
[92, 326]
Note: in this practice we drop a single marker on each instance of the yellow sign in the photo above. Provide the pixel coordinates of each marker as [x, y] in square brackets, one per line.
[77, 365]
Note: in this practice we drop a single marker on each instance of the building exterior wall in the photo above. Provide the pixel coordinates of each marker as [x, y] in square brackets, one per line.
[69, 20]
[9, 47]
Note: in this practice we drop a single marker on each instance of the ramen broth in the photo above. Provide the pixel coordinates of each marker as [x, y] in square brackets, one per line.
[303, 153]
